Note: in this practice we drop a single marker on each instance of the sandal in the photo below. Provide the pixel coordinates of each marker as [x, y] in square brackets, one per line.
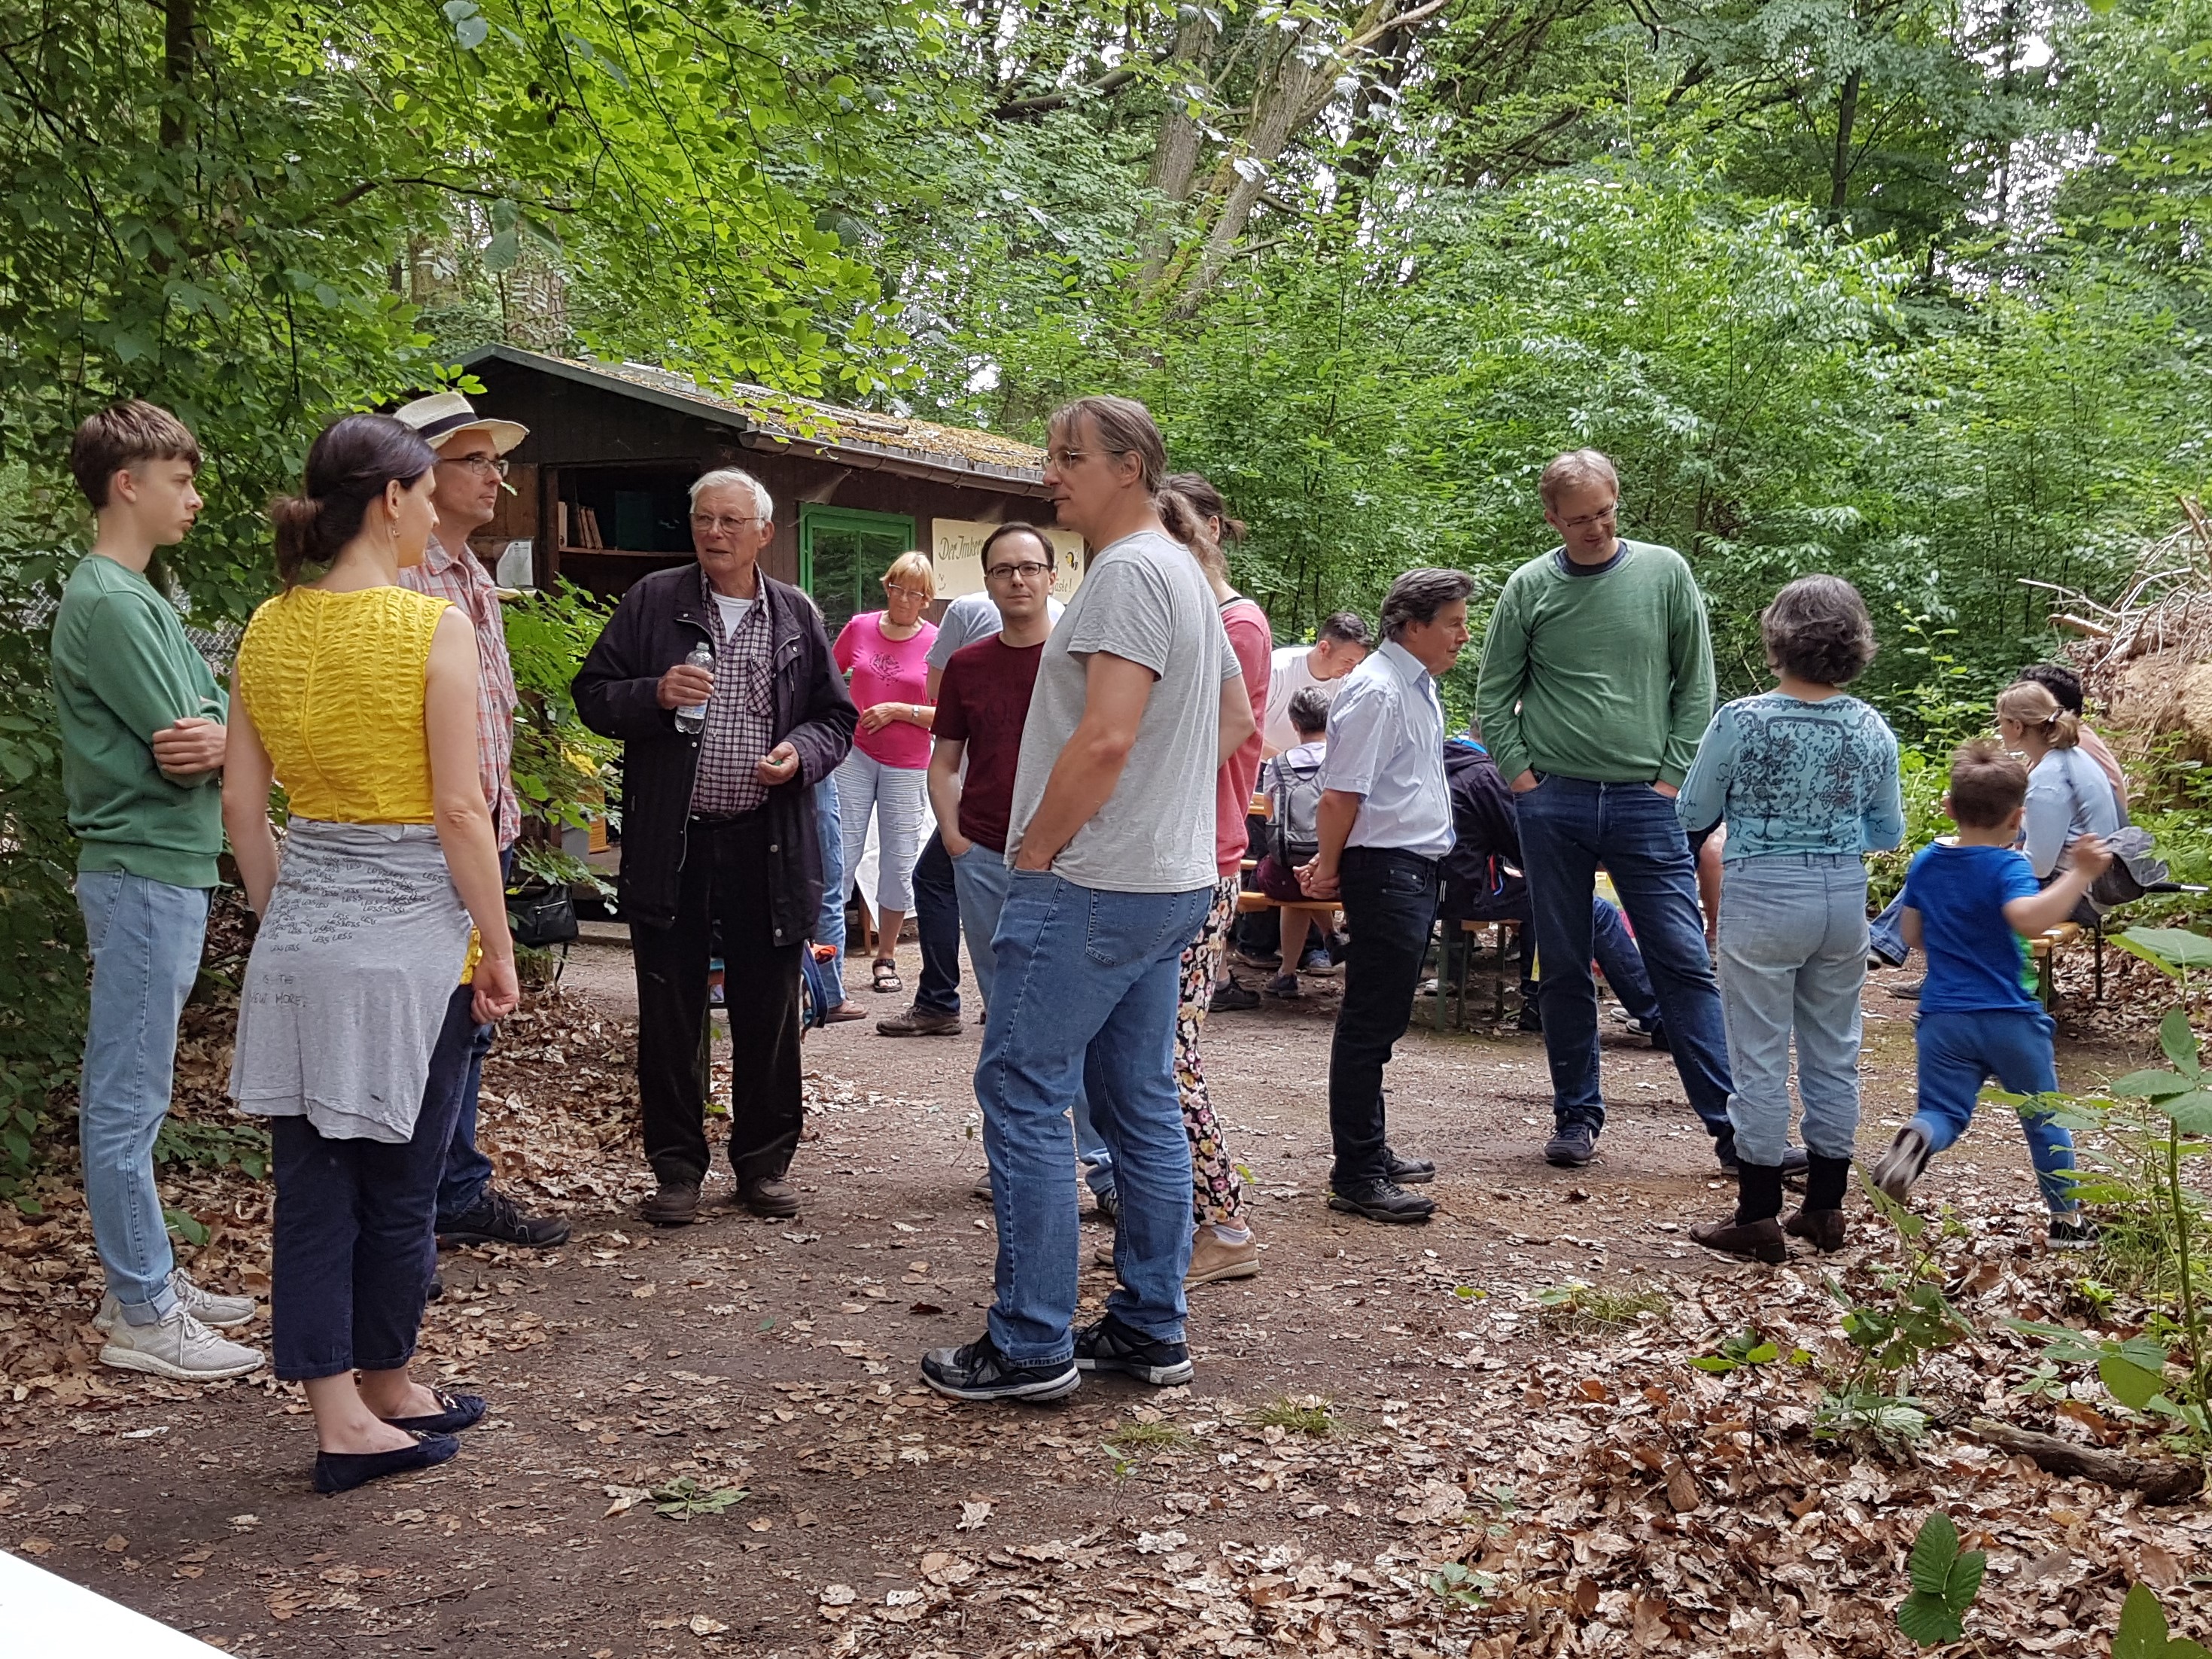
[886, 976]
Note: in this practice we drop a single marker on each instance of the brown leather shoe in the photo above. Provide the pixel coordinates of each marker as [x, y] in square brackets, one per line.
[919, 1022]
[1755, 1240]
[676, 1205]
[770, 1195]
[1823, 1228]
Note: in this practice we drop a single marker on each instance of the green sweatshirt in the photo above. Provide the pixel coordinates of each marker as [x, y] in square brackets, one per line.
[1607, 677]
[123, 671]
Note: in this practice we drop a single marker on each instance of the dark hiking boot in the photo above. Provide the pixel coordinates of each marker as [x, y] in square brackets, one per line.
[1753, 1241]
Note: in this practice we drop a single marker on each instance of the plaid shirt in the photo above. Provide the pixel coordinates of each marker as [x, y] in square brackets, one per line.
[462, 578]
[740, 715]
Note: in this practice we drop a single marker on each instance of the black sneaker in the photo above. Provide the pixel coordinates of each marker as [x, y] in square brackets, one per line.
[1110, 1346]
[1234, 997]
[1385, 1201]
[980, 1372]
[1531, 1017]
[1896, 1169]
[1408, 1171]
[495, 1219]
[2072, 1231]
[1572, 1146]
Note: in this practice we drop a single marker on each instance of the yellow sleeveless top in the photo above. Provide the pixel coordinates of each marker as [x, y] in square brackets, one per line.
[334, 683]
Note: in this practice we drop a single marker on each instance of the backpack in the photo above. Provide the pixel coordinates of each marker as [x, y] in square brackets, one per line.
[1295, 836]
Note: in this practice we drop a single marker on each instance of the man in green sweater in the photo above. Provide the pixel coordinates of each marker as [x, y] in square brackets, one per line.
[142, 724]
[1596, 683]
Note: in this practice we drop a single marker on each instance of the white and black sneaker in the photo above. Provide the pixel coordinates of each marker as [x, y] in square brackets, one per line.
[980, 1372]
[1896, 1169]
[2071, 1229]
[1110, 1346]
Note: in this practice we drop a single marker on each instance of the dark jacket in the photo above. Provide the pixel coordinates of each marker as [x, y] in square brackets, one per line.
[1486, 839]
[616, 691]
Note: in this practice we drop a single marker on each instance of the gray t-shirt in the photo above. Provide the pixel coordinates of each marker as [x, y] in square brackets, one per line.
[1145, 599]
[970, 618]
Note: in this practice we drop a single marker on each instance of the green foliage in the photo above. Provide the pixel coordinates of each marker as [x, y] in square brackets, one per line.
[1457, 1585]
[564, 771]
[213, 1146]
[1945, 1582]
[2142, 1634]
[1310, 1414]
[1577, 1306]
[685, 1498]
[1748, 1348]
[1890, 1332]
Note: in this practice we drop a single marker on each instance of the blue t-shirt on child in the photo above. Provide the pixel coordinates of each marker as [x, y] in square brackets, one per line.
[1976, 961]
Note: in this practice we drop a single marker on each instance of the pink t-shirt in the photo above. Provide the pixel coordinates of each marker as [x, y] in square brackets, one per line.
[888, 671]
[1249, 638]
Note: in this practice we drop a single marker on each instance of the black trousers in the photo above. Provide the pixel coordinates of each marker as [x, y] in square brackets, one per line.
[1389, 901]
[937, 919]
[354, 1248]
[725, 883]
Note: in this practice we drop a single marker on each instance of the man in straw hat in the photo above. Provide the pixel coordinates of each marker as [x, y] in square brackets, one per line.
[472, 471]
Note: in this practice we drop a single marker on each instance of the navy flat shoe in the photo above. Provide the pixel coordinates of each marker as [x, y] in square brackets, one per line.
[458, 1412]
[344, 1471]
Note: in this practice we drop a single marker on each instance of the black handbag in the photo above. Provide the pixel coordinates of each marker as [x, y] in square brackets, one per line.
[543, 919]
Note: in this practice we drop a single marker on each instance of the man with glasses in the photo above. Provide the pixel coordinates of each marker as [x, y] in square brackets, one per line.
[1596, 686]
[472, 471]
[719, 830]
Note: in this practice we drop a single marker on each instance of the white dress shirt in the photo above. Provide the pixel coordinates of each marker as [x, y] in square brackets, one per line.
[1386, 745]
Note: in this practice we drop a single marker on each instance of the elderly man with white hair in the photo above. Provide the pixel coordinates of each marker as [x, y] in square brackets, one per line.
[719, 681]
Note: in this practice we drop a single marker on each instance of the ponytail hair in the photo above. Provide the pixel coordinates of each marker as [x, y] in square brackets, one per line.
[1185, 501]
[348, 468]
[2034, 707]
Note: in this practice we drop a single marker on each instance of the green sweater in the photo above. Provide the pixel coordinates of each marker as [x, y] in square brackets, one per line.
[1607, 677]
[123, 670]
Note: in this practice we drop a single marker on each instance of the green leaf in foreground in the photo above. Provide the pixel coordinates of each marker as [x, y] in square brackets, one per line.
[1945, 1581]
[683, 1498]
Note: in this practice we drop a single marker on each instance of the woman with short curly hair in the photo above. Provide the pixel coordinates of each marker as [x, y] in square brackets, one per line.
[1805, 779]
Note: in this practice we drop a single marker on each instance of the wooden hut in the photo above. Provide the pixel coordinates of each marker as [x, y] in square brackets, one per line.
[600, 486]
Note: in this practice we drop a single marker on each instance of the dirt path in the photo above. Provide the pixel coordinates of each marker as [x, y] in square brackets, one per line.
[1378, 1402]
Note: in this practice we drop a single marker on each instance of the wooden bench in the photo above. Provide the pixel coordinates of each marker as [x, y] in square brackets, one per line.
[2045, 947]
[1505, 927]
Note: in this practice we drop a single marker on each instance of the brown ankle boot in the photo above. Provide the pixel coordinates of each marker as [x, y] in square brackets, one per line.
[1824, 1229]
[1754, 1241]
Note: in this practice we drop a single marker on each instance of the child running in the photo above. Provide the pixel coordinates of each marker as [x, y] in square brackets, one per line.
[1972, 906]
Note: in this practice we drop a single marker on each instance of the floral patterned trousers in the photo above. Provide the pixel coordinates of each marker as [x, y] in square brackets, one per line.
[1218, 1191]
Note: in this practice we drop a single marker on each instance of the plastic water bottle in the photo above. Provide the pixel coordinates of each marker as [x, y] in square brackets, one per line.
[693, 715]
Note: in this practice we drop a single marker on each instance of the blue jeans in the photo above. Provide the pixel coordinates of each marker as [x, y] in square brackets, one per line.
[145, 938]
[1086, 987]
[827, 989]
[1569, 826]
[1885, 938]
[1793, 950]
[353, 1249]
[1622, 963]
[1960, 1052]
[980, 878]
[468, 1171]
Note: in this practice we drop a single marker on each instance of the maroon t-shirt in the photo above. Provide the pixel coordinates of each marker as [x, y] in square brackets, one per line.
[983, 699]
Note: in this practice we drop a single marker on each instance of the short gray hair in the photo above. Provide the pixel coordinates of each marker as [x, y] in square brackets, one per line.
[729, 477]
[1418, 595]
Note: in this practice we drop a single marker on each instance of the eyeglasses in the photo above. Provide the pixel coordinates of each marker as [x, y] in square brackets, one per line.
[491, 465]
[713, 524]
[1029, 572]
[1603, 516]
[891, 587]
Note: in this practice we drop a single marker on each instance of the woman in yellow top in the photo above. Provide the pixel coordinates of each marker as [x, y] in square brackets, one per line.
[360, 696]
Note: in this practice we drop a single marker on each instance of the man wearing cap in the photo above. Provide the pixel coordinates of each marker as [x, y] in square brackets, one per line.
[472, 471]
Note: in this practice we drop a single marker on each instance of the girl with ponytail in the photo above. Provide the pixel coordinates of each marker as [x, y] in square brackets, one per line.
[2068, 794]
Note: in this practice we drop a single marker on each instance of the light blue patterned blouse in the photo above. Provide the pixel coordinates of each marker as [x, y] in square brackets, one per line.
[1796, 777]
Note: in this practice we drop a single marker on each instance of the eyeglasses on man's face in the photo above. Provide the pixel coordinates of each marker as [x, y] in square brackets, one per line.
[1027, 571]
[718, 523]
[494, 467]
[1603, 515]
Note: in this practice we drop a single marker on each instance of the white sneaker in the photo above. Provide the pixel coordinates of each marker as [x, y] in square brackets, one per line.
[178, 1346]
[219, 1311]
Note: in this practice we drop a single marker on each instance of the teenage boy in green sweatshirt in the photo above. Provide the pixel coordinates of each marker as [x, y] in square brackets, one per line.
[141, 752]
[1596, 686]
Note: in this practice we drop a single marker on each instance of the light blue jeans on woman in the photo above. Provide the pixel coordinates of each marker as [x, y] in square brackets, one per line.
[899, 797]
[1793, 948]
[145, 938]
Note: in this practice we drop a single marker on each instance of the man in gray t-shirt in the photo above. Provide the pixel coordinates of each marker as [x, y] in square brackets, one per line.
[1136, 706]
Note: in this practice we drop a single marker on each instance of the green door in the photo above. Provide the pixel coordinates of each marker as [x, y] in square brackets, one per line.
[842, 555]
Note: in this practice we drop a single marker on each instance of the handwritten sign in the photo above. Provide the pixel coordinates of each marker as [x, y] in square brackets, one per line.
[955, 550]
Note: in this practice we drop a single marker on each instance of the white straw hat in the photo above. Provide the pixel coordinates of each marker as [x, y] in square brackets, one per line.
[440, 416]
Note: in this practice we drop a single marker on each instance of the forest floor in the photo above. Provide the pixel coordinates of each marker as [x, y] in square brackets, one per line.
[1402, 1441]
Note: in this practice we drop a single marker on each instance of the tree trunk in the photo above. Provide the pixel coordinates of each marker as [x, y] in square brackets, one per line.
[178, 21]
[1839, 171]
[1175, 156]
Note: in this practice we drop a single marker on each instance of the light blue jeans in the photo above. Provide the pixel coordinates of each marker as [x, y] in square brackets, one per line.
[145, 938]
[829, 925]
[898, 796]
[1085, 985]
[1793, 948]
[980, 878]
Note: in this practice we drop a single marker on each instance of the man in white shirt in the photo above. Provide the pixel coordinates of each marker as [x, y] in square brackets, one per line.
[1338, 647]
[1385, 823]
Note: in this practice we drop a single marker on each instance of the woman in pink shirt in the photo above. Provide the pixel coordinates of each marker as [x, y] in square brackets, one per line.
[885, 654]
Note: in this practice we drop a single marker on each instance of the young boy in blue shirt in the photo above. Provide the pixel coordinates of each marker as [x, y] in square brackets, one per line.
[1972, 906]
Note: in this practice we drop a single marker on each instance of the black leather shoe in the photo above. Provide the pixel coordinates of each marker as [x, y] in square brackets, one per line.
[344, 1471]
[1408, 1171]
[1822, 1229]
[1385, 1201]
[769, 1195]
[676, 1205]
[456, 1412]
[495, 1219]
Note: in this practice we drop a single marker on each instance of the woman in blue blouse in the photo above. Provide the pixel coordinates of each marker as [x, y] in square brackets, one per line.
[1805, 779]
